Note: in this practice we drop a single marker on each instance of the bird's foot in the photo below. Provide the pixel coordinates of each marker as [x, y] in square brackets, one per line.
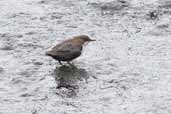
[60, 62]
[71, 64]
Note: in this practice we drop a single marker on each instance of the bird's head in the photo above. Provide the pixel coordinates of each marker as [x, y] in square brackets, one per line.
[82, 39]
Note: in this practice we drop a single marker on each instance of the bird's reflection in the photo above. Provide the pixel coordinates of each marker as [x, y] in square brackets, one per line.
[69, 77]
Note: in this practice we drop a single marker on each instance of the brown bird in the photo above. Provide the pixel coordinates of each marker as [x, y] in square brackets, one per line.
[69, 49]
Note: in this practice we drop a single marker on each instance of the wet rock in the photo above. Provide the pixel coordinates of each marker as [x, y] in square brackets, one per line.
[19, 36]
[8, 35]
[42, 2]
[153, 14]
[26, 95]
[69, 76]
[43, 18]
[8, 44]
[13, 16]
[29, 45]
[163, 25]
[34, 112]
[4, 35]
[23, 13]
[1, 69]
[66, 3]
[26, 73]
[56, 15]
[162, 28]
[7, 48]
[38, 63]
[165, 3]
[65, 92]
[113, 5]
[30, 33]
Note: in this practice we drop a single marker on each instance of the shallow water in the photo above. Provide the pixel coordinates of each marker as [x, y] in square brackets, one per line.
[126, 71]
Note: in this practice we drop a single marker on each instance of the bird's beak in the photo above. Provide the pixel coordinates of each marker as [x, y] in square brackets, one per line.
[92, 40]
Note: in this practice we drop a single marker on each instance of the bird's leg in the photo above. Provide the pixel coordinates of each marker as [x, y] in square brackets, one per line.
[60, 63]
[69, 63]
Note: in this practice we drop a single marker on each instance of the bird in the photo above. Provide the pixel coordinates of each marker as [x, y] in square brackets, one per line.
[70, 49]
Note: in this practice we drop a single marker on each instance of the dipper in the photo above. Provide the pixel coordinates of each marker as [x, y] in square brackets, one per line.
[69, 49]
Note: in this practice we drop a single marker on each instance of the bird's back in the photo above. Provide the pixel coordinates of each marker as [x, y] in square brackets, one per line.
[65, 51]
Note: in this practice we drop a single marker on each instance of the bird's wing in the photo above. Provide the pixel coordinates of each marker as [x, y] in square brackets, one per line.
[66, 47]
[63, 47]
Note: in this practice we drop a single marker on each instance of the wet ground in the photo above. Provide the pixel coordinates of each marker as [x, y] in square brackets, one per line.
[126, 71]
